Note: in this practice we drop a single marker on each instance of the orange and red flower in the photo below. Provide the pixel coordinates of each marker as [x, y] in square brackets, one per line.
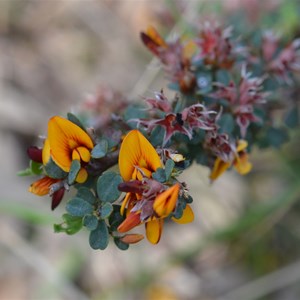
[147, 200]
[65, 142]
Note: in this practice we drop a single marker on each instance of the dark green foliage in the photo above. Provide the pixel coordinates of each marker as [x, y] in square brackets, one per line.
[78, 207]
[100, 149]
[90, 222]
[107, 186]
[120, 244]
[74, 170]
[53, 171]
[99, 237]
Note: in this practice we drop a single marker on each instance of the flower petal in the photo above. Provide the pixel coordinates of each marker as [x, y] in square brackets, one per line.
[132, 220]
[136, 150]
[82, 175]
[154, 230]
[64, 136]
[42, 186]
[219, 168]
[46, 152]
[187, 216]
[132, 238]
[165, 202]
[242, 144]
[242, 165]
[84, 153]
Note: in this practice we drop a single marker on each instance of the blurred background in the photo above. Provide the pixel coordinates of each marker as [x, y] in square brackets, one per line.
[245, 240]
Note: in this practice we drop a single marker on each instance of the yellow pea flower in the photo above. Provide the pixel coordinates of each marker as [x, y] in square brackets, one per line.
[137, 159]
[240, 162]
[68, 142]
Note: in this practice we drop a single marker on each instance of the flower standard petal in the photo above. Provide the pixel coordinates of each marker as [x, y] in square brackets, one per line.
[165, 202]
[154, 230]
[136, 150]
[64, 136]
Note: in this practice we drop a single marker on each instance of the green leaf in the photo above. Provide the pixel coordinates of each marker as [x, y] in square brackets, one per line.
[292, 118]
[100, 149]
[121, 245]
[169, 166]
[159, 175]
[133, 112]
[107, 186]
[157, 136]
[226, 123]
[78, 207]
[74, 170]
[37, 168]
[86, 194]
[26, 172]
[99, 237]
[223, 76]
[277, 136]
[75, 120]
[90, 222]
[54, 171]
[71, 224]
[115, 219]
[106, 210]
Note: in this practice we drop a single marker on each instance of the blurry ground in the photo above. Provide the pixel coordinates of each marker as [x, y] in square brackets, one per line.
[52, 54]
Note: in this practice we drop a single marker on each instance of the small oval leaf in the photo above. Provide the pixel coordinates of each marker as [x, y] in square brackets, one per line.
[99, 237]
[78, 207]
[100, 149]
[107, 186]
[106, 210]
[75, 168]
[90, 222]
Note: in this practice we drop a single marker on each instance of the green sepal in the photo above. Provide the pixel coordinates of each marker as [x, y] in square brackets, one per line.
[100, 150]
[100, 236]
[71, 224]
[78, 207]
[121, 245]
[74, 170]
[107, 186]
[106, 210]
[90, 222]
[53, 170]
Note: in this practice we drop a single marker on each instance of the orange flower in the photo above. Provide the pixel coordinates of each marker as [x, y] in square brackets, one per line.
[42, 186]
[240, 162]
[68, 142]
[137, 160]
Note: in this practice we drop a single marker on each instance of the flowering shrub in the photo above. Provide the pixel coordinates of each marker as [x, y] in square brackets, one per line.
[227, 90]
